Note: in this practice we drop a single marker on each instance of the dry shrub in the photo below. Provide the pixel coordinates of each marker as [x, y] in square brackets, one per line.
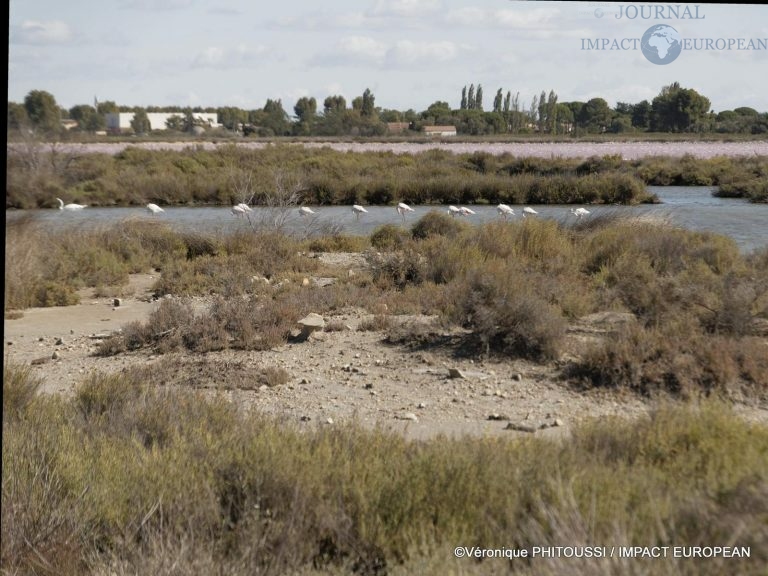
[508, 316]
[375, 323]
[20, 386]
[389, 237]
[678, 359]
[274, 376]
[338, 243]
[437, 224]
[397, 269]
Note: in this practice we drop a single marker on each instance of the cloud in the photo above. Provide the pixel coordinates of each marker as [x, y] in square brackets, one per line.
[406, 8]
[228, 58]
[156, 5]
[407, 52]
[351, 50]
[41, 32]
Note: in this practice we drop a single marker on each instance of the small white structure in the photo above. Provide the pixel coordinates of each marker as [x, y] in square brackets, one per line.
[121, 121]
[440, 130]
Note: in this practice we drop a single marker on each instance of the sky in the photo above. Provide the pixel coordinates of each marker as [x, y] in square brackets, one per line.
[409, 53]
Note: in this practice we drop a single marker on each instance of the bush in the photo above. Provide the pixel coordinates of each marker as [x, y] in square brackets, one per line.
[389, 237]
[436, 224]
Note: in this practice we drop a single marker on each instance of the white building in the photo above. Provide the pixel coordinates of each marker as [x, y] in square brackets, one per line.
[440, 130]
[121, 121]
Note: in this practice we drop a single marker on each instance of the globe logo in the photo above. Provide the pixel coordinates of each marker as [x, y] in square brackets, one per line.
[661, 44]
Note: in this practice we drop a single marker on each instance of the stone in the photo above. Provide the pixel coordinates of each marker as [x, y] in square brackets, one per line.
[517, 377]
[59, 342]
[520, 427]
[117, 302]
[309, 324]
[408, 416]
[558, 423]
[38, 361]
[55, 355]
[496, 416]
[455, 373]
[421, 405]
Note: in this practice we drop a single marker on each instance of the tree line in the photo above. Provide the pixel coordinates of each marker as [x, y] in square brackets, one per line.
[674, 109]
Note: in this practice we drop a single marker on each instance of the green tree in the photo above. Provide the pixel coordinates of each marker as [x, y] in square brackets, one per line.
[17, 116]
[507, 100]
[677, 109]
[42, 111]
[497, 101]
[368, 108]
[641, 115]
[140, 122]
[231, 117]
[88, 119]
[471, 97]
[479, 97]
[463, 105]
[334, 104]
[595, 115]
[306, 112]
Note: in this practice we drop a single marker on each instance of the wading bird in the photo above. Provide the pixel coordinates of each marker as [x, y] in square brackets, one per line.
[304, 211]
[505, 210]
[154, 208]
[528, 210]
[238, 210]
[245, 207]
[70, 207]
[402, 208]
[466, 211]
[357, 210]
[579, 212]
[453, 211]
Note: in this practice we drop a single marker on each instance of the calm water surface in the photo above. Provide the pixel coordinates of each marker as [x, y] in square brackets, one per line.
[691, 207]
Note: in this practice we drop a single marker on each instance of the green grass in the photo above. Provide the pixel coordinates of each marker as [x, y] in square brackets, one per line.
[131, 477]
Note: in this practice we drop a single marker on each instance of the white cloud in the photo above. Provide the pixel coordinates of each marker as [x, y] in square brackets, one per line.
[407, 8]
[221, 58]
[41, 32]
[158, 5]
[407, 52]
[351, 50]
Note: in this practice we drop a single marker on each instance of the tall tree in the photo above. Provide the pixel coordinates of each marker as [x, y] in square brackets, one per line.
[42, 111]
[140, 122]
[543, 111]
[497, 101]
[368, 108]
[463, 105]
[595, 115]
[334, 104]
[17, 116]
[507, 101]
[479, 97]
[552, 112]
[677, 109]
[471, 97]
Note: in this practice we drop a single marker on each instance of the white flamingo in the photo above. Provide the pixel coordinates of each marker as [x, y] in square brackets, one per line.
[154, 208]
[402, 208]
[453, 211]
[357, 210]
[238, 210]
[305, 211]
[70, 207]
[466, 211]
[528, 210]
[245, 207]
[579, 212]
[505, 210]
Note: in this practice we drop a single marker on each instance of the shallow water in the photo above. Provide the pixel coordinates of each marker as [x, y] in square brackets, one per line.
[691, 207]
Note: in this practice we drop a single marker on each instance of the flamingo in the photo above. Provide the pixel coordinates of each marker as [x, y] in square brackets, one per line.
[238, 210]
[453, 210]
[245, 207]
[466, 211]
[357, 210]
[70, 207]
[579, 212]
[402, 208]
[528, 210]
[154, 208]
[304, 211]
[505, 210]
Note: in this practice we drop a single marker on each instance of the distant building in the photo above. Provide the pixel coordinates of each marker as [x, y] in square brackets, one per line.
[121, 121]
[397, 127]
[440, 130]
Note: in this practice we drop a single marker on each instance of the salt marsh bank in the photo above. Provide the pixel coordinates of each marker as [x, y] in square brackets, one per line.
[627, 150]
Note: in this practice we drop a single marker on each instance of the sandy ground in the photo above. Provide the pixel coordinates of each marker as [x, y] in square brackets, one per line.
[337, 377]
